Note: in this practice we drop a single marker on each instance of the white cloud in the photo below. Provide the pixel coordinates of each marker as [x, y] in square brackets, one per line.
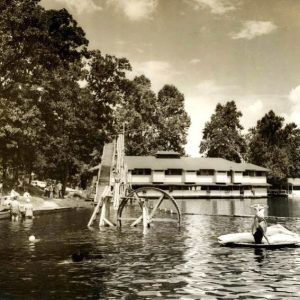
[294, 97]
[159, 72]
[218, 7]
[252, 29]
[136, 10]
[256, 107]
[195, 61]
[209, 87]
[80, 6]
[139, 50]
[199, 108]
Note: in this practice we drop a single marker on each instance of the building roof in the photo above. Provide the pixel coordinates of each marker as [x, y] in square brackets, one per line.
[188, 163]
[188, 184]
[294, 181]
[167, 154]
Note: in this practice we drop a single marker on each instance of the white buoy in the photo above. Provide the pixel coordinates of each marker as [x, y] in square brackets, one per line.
[32, 238]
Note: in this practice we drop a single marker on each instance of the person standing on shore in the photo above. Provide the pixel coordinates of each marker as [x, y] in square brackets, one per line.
[59, 188]
[1, 188]
[51, 191]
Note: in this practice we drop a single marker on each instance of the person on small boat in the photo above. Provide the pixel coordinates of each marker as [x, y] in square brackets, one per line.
[259, 224]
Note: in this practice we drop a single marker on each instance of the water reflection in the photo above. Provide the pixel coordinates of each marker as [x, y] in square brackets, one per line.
[167, 263]
[280, 207]
[259, 255]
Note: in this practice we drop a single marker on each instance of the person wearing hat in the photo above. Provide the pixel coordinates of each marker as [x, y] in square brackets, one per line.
[28, 208]
[259, 224]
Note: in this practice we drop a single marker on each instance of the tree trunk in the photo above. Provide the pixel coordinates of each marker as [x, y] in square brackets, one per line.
[65, 180]
[4, 174]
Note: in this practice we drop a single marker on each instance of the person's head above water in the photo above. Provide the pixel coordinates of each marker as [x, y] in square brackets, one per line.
[80, 255]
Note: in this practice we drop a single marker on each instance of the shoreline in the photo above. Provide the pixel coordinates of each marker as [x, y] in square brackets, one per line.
[45, 205]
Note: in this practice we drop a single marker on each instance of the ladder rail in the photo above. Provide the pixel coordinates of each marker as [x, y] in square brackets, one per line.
[105, 193]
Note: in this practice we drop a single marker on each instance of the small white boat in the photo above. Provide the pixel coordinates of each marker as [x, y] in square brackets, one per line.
[277, 235]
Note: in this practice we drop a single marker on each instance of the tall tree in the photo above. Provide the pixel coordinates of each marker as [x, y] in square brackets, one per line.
[222, 135]
[139, 113]
[152, 122]
[174, 121]
[106, 79]
[275, 146]
[72, 126]
[34, 43]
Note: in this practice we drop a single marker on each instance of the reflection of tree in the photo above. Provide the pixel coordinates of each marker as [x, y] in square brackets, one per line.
[293, 207]
[279, 207]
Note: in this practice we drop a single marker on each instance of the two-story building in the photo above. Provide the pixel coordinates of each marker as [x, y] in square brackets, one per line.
[293, 187]
[189, 177]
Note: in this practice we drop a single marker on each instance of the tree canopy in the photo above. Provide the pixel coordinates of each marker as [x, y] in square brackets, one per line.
[60, 102]
[222, 135]
[275, 146]
[153, 122]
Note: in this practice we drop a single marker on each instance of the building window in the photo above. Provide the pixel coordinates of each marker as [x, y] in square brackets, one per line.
[260, 173]
[173, 172]
[221, 172]
[249, 173]
[205, 172]
[141, 172]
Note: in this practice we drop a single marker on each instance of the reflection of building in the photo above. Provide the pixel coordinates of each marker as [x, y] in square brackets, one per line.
[294, 187]
[187, 177]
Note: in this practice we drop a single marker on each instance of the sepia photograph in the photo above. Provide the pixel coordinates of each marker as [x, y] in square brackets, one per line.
[149, 149]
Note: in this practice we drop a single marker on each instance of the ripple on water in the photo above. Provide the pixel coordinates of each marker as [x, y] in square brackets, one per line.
[167, 263]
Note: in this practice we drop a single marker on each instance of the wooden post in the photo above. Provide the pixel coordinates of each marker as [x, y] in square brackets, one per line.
[103, 213]
[145, 214]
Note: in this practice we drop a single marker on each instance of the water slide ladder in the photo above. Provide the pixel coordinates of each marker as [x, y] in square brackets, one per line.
[111, 182]
[113, 192]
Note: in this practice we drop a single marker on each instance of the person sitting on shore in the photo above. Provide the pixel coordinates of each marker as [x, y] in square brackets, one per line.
[14, 194]
[259, 224]
[15, 209]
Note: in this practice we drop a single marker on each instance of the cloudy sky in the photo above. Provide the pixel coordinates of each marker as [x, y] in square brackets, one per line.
[211, 50]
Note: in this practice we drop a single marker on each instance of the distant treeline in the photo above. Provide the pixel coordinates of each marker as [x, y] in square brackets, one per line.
[61, 101]
[272, 143]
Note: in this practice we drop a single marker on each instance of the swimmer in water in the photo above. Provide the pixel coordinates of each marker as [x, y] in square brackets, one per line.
[15, 209]
[80, 255]
[259, 225]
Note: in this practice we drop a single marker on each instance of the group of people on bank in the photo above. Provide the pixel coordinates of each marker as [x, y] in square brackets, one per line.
[17, 208]
[53, 190]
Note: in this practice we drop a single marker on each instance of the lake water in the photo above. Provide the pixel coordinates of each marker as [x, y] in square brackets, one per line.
[165, 263]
